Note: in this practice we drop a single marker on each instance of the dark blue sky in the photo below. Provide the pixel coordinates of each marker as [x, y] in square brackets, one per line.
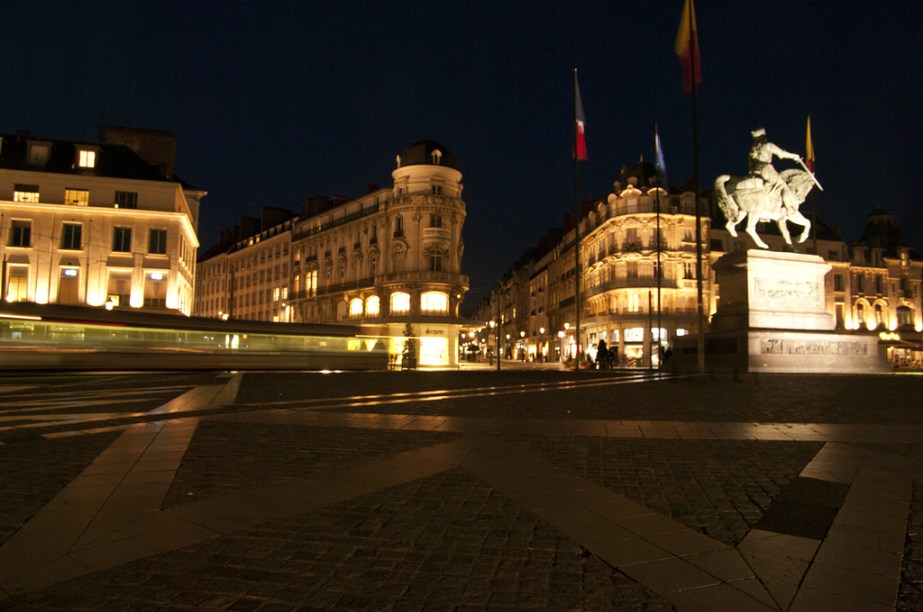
[275, 101]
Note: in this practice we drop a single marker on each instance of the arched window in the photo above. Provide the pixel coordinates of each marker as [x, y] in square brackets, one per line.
[355, 307]
[434, 302]
[400, 302]
[372, 306]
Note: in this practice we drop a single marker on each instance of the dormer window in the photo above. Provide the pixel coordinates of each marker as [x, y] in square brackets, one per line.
[37, 153]
[86, 158]
[437, 157]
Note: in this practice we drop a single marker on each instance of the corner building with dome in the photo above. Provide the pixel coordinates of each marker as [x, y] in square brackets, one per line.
[383, 260]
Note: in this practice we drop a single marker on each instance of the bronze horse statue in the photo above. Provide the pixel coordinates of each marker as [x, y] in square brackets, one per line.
[749, 197]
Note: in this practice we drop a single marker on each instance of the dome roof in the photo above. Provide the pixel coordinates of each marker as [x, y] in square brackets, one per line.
[429, 153]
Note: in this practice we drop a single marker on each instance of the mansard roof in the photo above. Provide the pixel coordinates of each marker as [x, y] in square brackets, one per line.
[421, 153]
[112, 161]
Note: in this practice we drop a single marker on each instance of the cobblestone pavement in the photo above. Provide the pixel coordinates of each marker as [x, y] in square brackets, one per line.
[460, 490]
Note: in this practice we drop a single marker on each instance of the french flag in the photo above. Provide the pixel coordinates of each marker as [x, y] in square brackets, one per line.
[580, 121]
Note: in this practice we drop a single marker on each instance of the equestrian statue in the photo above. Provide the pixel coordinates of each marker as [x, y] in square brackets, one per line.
[764, 194]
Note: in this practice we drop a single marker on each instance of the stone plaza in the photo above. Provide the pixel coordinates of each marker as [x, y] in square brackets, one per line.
[534, 488]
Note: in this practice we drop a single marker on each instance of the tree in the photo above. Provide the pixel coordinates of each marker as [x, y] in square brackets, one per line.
[409, 354]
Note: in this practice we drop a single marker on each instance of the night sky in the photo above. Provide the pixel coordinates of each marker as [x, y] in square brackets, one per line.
[275, 101]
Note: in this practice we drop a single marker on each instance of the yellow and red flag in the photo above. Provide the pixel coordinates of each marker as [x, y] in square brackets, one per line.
[687, 48]
[809, 148]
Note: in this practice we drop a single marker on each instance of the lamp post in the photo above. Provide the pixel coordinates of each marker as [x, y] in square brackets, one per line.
[541, 345]
[566, 330]
[522, 345]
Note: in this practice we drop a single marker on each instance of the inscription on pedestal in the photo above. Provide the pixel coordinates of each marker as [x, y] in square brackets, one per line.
[784, 346]
[785, 289]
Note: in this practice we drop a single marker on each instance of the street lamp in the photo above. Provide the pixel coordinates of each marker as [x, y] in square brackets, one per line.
[539, 352]
[566, 330]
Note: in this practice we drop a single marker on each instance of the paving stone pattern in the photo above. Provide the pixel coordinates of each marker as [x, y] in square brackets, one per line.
[445, 542]
[33, 471]
[718, 487]
[217, 461]
[910, 596]
[771, 399]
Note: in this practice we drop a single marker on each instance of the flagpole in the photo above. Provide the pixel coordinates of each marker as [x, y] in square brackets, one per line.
[700, 344]
[576, 228]
[657, 155]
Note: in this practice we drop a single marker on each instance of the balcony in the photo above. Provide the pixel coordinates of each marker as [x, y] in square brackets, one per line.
[450, 278]
[632, 283]
[436, 233]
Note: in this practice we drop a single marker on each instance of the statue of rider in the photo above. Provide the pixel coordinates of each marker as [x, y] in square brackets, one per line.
[761, 152]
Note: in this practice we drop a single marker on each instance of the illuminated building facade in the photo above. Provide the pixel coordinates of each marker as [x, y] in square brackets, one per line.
[387, 259]
[97, 224]
[636, 294]
[247, 275]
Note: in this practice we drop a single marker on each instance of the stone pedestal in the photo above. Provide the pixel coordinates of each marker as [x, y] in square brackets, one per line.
[769, 290]
[772, 317]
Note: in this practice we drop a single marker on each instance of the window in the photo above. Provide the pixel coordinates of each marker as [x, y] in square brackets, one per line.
[25, 193]
[435, 220]
[355, 307]
[76, 197]
[157, 241]
[71, 236]
[310, 283]
[435, 260]
[17, 284]
[435, 302]
[119, 293]
[634, 303]
[437, 157]
[126, 199]
[631, 269]
[372, 306]
[20, 233]
[437, 189]
[399, 227]
[155, 290]
[400, 303]
[904, 317]
[837, 282]
[121, 240]
[86, 158]
[38, 153]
